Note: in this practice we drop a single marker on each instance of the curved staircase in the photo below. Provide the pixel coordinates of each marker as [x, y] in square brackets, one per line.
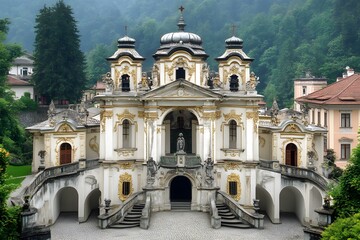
[228, 219]
[131, 219]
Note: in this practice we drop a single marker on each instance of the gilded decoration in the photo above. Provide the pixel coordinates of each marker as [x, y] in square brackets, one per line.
[65, 128]
[127, 165]
[234, 116]
[299, 150]
[126, 152]
[262, 141]
[234, 178]
[231, 152]
[94, 145]
[292, 128]
[103, 116]
[126, 177]
[255, 117]
[212, 115]
[125, 115]
[231, 166]
[58, 144]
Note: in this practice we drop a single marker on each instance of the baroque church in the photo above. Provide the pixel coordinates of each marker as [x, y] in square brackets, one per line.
[178, 138]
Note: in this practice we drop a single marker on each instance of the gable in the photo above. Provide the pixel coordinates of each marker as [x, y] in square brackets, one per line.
[181, 90]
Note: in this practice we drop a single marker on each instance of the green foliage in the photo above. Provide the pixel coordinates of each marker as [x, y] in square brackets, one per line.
[97, 64]
[10, 216]
[343, 228]
[59, 63]
[26, 103]
[347, 193]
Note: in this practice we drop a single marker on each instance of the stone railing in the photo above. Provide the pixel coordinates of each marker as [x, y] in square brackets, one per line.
[295, 172]
[256, 220]
[191, 161]
[146, 213]
[116, 214]
[52, 172]
[215, 218]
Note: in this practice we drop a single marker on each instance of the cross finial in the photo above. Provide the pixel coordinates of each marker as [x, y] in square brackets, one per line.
[181, 8]
[126, 29]
[233, 28]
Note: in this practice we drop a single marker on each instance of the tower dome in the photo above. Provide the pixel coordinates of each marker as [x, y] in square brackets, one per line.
[126, 42]
[234, 43]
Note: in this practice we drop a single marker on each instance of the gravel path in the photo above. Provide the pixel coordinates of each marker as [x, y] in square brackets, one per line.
[175, 226]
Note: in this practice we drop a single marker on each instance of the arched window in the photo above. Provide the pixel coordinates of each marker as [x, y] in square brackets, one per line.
[126, 134]
[232, 134]
[125, 83]
[291, 155]
[180, 73]
[234, 83]
[65, 153]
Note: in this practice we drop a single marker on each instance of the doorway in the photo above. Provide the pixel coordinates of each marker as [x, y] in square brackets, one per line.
[180, 73]
[180, 189]
[65, 153]
[291, 155]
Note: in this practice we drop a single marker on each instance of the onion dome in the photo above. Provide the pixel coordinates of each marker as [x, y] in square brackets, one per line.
[234, 42]
[126, 42]
[181, 39]
[126, 47]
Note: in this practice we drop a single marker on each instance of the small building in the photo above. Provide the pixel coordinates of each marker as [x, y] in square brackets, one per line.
[19, 86]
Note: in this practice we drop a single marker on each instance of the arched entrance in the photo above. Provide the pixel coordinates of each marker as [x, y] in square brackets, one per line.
[291, 155]
[125, 83]
[180, 189]
[65, 153]
[176, 122]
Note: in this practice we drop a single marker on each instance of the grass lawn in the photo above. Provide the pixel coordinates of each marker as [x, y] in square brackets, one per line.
[17, 174]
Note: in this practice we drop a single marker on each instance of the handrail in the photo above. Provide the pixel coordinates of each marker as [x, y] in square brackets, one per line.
[254, 219]
[53, 172]
[296, 172]
[118, 213]
[146, 214]
[215, 218]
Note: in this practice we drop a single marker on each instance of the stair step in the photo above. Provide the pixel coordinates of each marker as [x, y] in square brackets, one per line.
[121, 225]
[239, 225]
[180, 206]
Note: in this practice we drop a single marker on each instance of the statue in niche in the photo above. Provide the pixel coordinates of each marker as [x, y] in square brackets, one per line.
[180, 146]
[209, 166]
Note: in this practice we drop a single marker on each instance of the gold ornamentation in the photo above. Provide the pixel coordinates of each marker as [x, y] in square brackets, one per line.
[103, 116]
[299, 150]
[234, 178]
[125, 115]
[234, 116]
[126, 152]
[231, 152]
[158, 130]
[255, 117]
[292, 128]
[123, 179]
[231, 166]
[212, 115]
[262, 141]
[94, 145]
[126, 165]
[65, 128]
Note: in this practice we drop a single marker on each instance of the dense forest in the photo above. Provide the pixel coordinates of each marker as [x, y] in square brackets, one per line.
[285, 37]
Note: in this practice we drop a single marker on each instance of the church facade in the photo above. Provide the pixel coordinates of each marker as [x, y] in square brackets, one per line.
[179, 134]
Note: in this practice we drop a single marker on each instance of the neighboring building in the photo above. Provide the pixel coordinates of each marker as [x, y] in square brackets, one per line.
[337, 108]
[306, 85]
[23, 67]
[180, 137]
[20, 87]
[95, 90]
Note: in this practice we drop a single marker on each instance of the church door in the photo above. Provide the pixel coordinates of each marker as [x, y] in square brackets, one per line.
[180, 189]
[65, 153]
[291, 155]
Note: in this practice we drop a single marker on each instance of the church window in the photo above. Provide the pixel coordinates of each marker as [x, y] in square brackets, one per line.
[232, 134]
[180, 73]
[234, 83]
[125, 83]
[126, 188]
[232, 188]
[126, 133]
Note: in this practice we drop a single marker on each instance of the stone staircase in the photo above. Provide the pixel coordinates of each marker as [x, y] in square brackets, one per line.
[180, 206]
[131, 219]
[228, 219]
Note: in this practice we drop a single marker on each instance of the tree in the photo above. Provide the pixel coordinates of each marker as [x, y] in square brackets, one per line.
[347, 193]
[343, 228]
[59, 63]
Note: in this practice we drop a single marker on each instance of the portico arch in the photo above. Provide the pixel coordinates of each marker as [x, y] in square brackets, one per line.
[315, 202]
[266, 202]
[65, 200]
[180, 189]
[92, 203]
[292, 201]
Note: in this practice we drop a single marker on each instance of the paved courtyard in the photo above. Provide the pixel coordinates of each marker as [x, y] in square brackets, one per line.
[175, 226]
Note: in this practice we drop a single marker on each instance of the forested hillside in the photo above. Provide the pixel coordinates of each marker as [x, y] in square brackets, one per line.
[285, 37]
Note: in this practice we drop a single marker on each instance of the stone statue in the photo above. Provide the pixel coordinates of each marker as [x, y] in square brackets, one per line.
[109, 83]
[152, 168]
[209, 166]
[180, 146]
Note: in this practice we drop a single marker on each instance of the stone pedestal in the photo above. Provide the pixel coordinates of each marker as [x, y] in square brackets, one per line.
[180, 158]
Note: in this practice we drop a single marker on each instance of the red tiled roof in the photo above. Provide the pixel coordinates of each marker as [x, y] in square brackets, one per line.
[345, 92]
[14, 81]
[99, 86]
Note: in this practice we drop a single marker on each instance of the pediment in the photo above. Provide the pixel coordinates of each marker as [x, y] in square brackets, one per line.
[181, 89]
